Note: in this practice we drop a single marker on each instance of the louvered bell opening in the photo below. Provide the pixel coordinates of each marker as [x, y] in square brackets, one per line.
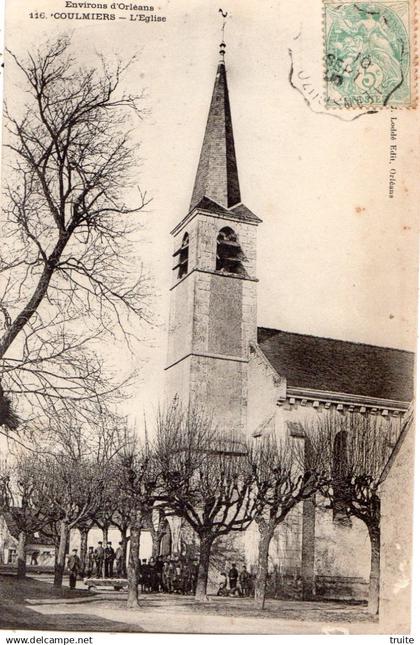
[229, 255]
[182, 256]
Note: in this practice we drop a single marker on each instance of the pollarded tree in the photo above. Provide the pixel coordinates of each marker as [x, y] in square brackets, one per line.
[136, 476]
[206, 479]
[156, 523]
[72, 474]
[286, 470]
[70, 491]
[359, 448]
[18, 484]
[70, 274]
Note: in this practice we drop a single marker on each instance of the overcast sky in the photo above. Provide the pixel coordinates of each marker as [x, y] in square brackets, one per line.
[336, 256]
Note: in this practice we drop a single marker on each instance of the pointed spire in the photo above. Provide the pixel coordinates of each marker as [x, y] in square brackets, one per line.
[217, 173]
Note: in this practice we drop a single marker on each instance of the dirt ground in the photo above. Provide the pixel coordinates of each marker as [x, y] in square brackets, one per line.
[34, 604]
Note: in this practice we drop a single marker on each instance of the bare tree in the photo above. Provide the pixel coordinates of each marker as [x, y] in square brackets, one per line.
[122, 515]
[84, 527]
[137, 479]
[156, 523]
[68, 263]
[18, 499]
[69, 491]
[72, 474]
[206, 479]
[287, 470]
[359, 447]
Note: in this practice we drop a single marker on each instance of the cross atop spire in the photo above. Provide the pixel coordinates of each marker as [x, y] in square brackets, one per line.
[217, 173]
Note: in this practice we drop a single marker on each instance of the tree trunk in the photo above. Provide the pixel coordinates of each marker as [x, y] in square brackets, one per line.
[203, 568]
[156, 539]
[38, 295]
[84, 532]
[124, 541]
[133, 567]
[308, 548]
[375, 562]
[21, 555]
[61, 555]
[266, 533]
[105, 529]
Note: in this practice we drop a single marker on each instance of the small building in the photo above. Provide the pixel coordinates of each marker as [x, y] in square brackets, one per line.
[40, 550]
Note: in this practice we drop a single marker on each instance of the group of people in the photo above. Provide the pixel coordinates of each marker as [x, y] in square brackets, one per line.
[168, 575]
[162, 574]
[100, 561]
[235, 583]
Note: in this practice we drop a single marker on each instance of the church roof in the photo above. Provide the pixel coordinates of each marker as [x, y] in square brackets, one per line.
[333, 365]
[217, 173]
[240, 211]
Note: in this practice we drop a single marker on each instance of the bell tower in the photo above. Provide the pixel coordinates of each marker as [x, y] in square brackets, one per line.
[213, 295]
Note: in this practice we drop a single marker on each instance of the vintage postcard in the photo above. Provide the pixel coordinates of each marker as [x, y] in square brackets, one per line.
[208, 316]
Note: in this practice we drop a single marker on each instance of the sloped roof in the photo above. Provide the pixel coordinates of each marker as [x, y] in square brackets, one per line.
[334, 365]
[206, 204]
[217, 173]
[242, 212]
[239, 212]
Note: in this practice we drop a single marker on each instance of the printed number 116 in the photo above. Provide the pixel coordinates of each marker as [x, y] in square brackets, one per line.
[37, 14]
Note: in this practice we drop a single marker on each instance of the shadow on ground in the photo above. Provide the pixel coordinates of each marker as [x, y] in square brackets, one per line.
[35, 604]
[17, 596]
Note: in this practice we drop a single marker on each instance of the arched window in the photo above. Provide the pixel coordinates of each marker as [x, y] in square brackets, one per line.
[229, 255]
[340, 466]
[182, 252]
[340, 472]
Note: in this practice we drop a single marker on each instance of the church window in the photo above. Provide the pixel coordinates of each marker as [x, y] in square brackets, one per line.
[340, 474]
[229, 255]
[182, 256]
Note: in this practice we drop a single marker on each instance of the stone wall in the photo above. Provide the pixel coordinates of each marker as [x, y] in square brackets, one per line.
[396, 540]
[114, 536]
[341, 551]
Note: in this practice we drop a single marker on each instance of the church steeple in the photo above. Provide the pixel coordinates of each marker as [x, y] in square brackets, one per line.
[217, 173]
[213, 319]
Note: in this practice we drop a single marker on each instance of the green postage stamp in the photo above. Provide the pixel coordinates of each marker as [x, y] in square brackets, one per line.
[369, 54]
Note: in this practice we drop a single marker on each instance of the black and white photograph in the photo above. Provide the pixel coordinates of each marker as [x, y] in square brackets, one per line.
[208, 318]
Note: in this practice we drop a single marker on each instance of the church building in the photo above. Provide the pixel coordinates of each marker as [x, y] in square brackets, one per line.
[254, 379]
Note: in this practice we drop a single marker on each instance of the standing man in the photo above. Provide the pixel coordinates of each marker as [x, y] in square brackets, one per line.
[159, 573]
[90, 562]
[165, 584]
[233, 578]
[146, 575]
[194, 575]
[171, 575]
[244, 581]
[141, 574]
[109, 560]
[74, 566]
[99, 559]
[119, 560]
